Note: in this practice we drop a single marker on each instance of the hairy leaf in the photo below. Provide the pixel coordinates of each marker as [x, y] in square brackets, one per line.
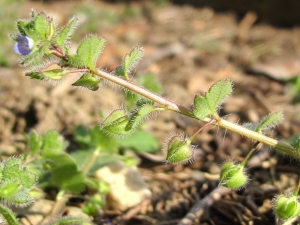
[87, 53]
[53, 71]
[211, 101]
[65, 34]
[88, 81]
[116, 123]
[129, 61]
[138, 115]
[41, 26]
[16, 182]
[268, 122]
[53, 144]
[34, 142]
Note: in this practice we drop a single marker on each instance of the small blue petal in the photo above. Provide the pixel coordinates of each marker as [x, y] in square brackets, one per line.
[24, 45]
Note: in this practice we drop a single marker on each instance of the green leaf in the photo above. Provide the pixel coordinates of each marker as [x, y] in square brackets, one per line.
[34, 142]
[16, 182]
[116, 123]
[211, 101]
[26, 28]
[53, 144]
[268, 122]
[87, 53]
[82, 136]
[129, 61]
[121, 123]
[51, 71]
[15, 171]
[88, 81]
[138, 115]
[41, 26]
[65, 34]
[140, 141]
[7, 215]
[65, 173]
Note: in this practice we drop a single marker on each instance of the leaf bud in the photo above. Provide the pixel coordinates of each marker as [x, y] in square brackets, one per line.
[233, 175]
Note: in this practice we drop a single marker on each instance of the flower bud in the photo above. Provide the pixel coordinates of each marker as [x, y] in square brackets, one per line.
[286, 207]
[233, 175]
[179, 150]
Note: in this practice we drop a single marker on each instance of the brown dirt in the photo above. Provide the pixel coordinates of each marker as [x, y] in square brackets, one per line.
[187, 49]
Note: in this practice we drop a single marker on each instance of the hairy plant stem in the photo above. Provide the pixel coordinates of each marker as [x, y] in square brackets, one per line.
[278, 145]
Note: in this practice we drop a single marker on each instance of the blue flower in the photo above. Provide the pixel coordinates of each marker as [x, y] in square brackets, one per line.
[24, 45]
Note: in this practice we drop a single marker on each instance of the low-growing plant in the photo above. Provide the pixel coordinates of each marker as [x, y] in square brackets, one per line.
[45, 50]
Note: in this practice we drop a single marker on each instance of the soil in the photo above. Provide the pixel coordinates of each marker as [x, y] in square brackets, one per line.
[188, 49]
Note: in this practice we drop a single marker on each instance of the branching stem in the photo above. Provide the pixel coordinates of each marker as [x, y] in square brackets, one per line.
[278, 145]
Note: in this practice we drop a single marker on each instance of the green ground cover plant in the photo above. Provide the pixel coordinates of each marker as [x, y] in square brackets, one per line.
[44, 49]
